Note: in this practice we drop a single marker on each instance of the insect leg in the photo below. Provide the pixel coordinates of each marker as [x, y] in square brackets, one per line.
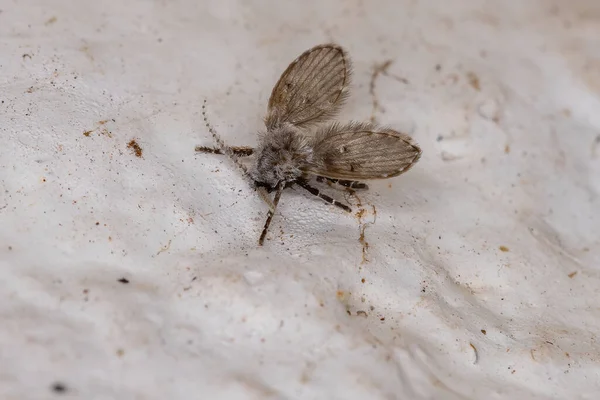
[241, 151]
[341, 182]
[270, 214]
[316, 192]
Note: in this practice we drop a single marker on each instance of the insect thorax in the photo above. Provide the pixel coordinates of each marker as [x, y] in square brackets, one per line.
[281, 154]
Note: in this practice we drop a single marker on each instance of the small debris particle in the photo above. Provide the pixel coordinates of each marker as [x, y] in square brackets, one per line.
[438, 67]
[87, 133]
[484, 331]
[97, 223]
[506, 149]
[572, 274]
[363, 280]
[9, 247]
[86, 291]
[476, 353]
[137, 150]
[51, 21]
[124, 280]
[362, 313]
[26, 55]
[474, 81]
[382, 319]
[58, 387]
[120, 352]
[503, 248]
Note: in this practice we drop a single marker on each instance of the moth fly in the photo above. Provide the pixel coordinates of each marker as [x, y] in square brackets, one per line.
[297, 144]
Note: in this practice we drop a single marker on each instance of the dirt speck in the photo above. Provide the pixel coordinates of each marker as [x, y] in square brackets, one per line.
[474, 81]
[87, 133]
[504, 249]
[137, 150]
[120, 352]
[51, 21]
[572, 274]
[59, 387]
[123, 281]
[506, 149]
[484, 331]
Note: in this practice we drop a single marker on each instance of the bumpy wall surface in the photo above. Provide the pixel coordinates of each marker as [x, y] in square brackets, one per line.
[129, 265]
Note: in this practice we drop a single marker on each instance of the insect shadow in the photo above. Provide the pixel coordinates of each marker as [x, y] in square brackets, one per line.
[298, 145]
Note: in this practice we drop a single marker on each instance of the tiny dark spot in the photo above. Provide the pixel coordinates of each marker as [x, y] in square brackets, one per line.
[9, 247]
[123, 280]
[439, 138]
[97, 223]
[484, 331]
[438, 67]
[58, 387]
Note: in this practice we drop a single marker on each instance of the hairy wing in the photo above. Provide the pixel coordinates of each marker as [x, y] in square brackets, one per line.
[312, 88]
[362, 151]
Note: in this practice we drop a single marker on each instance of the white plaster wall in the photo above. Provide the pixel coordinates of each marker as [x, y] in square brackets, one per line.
[482, 274]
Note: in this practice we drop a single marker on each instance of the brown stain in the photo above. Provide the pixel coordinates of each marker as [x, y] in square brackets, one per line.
[137, 150]
[474, 81]
[507, 149]
[476, 353]
[100, 129]
[381, 69]
[484, 331]
[572, 274]
[50, 21]
[504, 249]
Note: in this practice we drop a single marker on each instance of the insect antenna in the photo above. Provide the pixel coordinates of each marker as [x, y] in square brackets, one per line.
[224, 149]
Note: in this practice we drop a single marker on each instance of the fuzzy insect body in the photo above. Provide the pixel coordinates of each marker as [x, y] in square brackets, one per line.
[298, 146]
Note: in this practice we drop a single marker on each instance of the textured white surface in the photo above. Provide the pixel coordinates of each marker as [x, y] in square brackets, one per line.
[490, 243]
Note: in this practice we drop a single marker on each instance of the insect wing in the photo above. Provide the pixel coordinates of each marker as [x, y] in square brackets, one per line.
[361, 151]
[312, 88]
